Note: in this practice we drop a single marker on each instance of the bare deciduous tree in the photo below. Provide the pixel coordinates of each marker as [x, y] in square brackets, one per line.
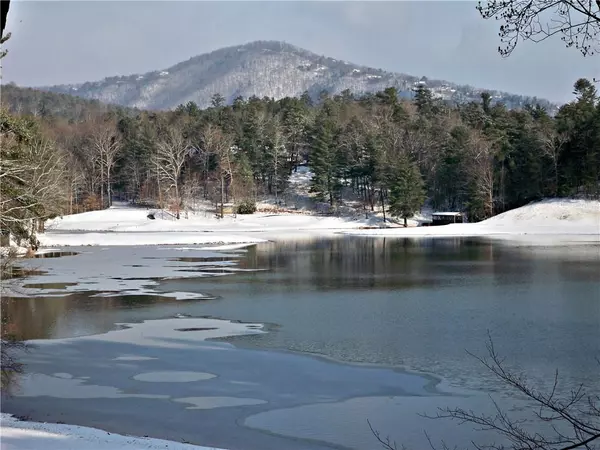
[172, 150]
[481, 155]
[33, 186]
[552, 144]
[216, 142]
[107, 144]
[576, 21]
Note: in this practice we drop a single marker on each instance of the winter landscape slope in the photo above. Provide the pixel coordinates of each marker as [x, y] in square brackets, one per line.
[262, 68]
[555, 220]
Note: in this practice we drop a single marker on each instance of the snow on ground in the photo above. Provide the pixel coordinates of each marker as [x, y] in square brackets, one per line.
[19, 435]
[558, 220]
[124, 225]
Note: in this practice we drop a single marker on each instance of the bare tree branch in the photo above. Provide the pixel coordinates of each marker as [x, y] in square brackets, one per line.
[577, 21]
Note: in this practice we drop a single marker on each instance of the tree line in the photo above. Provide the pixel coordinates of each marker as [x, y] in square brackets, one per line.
[63, 156]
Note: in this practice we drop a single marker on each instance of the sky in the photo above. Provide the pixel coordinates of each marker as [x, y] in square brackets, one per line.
[75, 41]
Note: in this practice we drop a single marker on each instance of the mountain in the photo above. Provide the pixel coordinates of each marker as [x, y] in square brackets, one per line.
[29, 101]
[263, 68]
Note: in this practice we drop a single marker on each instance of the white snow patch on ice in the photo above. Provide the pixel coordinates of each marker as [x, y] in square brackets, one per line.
[218, 402]
[173, 376]
[133, 358]
[125, 270]
[37, 385]
[18, 435]
[159, 333]
[149, 238]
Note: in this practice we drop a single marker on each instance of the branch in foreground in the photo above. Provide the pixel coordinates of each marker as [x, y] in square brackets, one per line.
[574, 419]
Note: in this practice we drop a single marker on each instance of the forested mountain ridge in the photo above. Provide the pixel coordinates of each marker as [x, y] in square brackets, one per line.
[266, 69]
[35, 102]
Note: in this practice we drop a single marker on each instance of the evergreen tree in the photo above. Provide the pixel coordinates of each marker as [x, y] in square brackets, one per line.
[406, 189]
[323, 159]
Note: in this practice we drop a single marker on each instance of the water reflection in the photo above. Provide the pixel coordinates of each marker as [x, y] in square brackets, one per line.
[414, 302]
[56, 254]
[78, 314]
[371, 263]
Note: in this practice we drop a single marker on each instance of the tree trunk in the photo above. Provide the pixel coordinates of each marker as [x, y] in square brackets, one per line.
[405, 222]
[108, 187]
[222, 195]
[102, 188]
[177, 201]
[382, 204]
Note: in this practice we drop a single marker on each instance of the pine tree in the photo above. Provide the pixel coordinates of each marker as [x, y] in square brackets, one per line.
[407, 194]
[323, 159]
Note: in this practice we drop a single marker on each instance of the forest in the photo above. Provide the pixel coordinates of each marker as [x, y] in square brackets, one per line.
[64, 155]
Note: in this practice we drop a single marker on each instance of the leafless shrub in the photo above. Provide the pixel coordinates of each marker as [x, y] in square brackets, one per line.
[574, 419]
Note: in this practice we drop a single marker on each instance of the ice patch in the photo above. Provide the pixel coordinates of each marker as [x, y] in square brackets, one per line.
[159, 333]
[172, 376]
[38, 385]
[218, 402]
[133, 358]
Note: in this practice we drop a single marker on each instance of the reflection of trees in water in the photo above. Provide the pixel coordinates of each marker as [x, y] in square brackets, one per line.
[12, 346]
[41, 317]
[367, 262]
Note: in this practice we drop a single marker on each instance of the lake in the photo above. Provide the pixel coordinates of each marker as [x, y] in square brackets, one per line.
[357, 328]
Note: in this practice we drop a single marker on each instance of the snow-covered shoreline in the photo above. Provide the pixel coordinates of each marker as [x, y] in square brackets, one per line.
[552, 220]
[24, 435]
[122, 225]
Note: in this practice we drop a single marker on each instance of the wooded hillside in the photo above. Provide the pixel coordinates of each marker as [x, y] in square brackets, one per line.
[64, 155]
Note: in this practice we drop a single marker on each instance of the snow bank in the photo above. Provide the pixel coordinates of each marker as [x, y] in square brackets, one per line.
[18, 435]
[557, 220]
[122, 225]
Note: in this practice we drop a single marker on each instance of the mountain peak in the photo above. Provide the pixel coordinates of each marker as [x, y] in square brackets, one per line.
[261, 68]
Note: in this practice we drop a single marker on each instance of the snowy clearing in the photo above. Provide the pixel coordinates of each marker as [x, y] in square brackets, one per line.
[124, 225]
[552, 220]
[18, 435]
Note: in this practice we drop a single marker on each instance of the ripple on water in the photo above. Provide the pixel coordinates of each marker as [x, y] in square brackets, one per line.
[173, 376]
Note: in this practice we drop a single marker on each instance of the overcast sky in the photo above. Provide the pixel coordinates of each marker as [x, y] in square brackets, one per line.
[74, 41]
